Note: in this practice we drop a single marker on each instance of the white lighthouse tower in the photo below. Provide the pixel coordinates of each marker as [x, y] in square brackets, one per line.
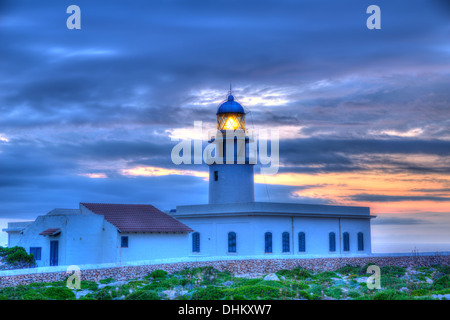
[234, 224]
[231, 178]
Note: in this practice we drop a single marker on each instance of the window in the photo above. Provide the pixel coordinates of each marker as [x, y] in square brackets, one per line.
[285, 241]
[268, 242]
[231, 241]
[216, 175]
[124, 242]
[36, 252]
[301, 242]
[332, 240]
[230, 121]
[196, 242]
[360, 241]
[346, 241]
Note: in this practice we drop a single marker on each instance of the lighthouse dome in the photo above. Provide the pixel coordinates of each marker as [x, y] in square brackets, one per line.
[230, 106]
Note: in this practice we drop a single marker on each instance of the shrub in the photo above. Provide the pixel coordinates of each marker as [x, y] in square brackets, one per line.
[59, 293]
[236, 297]
[389, 295]
[208, 293]
[296, 285]
[238, 282]
[297, 273]
[420, 292]
[271, 283]
[261, 291]
[88, 285]
[186, 281]
[107, 280]
[325, 276]
[443, 269]
[14, 293]
[111, 292]
[393, 271]
[301, 273]
[143, 295]
[33, 295]
[315, 289]
[354, 294]
[391, 282]
[334, 292]
[442, 282]
[284, 273]
[363, 270]
[164, 284]
[158, 274]
[348, 269]
[16, 255]
[137, 283]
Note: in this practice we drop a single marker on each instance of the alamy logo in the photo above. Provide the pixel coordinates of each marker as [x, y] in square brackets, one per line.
[73, 281]
[374, 281]
[235, 146]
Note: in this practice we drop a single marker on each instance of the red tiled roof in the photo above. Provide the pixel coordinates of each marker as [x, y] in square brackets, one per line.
[137, 217]
[50, 232]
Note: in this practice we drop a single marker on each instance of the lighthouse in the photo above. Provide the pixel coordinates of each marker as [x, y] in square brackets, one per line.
[231, 175]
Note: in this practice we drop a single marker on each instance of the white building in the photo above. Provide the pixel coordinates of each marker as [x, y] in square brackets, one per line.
[100, 233]
[232, 224]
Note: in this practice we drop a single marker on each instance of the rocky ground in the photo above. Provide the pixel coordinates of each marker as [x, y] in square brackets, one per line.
[208, 283]
[7, 266]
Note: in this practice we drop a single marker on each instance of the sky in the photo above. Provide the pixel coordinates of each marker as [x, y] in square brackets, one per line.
[92, 115]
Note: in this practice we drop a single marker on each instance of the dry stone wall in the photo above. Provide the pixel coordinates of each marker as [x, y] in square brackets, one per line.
[234, 266]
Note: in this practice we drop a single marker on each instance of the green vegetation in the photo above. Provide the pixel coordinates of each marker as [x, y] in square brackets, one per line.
[296, 273]
[106, 281]
[349, 270]
[389, 295]
[15, 255]
[158, 274]
[393, 271]
[206, 283]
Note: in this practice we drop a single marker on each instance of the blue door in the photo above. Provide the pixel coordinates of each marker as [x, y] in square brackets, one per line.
[54, 252]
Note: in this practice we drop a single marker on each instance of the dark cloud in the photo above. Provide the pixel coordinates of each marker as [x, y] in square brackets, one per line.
[386, 198]
[398, 221]
[101, 99]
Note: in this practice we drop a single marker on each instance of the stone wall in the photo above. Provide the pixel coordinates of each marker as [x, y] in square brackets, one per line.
[234, 266]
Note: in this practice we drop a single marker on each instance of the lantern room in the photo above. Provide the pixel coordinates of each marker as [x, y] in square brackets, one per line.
[230, 115]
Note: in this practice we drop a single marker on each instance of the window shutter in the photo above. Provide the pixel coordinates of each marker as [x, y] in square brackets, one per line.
[360, 241]
[232, 242]
[268, 242]
[346, 241]
[285, 241]
[124, 241]
[301, 242]
[332, 238]
[196, 242]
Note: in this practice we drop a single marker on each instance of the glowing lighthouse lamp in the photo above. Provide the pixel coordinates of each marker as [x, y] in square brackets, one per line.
[231, 179]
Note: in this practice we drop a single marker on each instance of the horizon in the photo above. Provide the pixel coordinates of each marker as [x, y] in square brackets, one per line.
[91, 115]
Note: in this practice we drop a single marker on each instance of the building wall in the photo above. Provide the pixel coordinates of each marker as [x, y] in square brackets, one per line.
[86, 240]
[214, 235]
[147, 246]
[89, 239]
[31, 238]
[80, 240]
[13, 239]
[353, 226]
[250, 231]
[234, 184]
